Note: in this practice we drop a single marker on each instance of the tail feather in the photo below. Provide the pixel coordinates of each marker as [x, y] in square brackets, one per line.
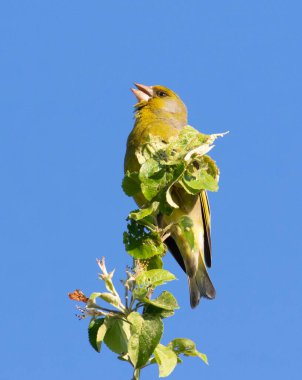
[200, 285]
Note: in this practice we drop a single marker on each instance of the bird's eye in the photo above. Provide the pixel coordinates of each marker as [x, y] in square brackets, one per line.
[161, 94]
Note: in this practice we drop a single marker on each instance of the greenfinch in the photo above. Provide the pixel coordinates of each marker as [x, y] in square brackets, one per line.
[161, 113]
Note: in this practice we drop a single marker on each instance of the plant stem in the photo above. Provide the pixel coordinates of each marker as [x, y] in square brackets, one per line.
[136, 374]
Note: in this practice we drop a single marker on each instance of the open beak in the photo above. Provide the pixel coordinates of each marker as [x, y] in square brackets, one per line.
[142, 92]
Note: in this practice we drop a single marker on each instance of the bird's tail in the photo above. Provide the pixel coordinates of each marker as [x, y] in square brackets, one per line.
[200, 284]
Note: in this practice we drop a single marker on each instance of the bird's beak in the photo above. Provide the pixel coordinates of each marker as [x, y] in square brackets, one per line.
[142, 93]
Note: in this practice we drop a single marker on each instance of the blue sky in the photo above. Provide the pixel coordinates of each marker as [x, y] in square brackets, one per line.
[66, 111]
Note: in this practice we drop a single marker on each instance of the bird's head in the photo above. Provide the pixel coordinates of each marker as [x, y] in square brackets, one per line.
[160, 102]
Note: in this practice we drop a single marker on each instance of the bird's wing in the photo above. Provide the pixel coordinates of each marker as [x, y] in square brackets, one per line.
[203, 208]
[172, 246]
[206, 218]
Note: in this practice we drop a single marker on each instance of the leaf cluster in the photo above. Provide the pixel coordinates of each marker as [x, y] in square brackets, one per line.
[133, 329]
[181, 161]
[166, 168]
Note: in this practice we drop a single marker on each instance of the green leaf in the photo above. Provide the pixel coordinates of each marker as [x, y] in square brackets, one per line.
[141, 243]
[165, 301]
[162, 313]
[188, 139]
[151, 188]
[154, 277]
[159, 178]
[202, 356]
[166, 360]
[140, 293]
[170, 200]
[156, 262]
[94, 295]
[96, 332]
[150, 169]
[110, 298]
[151, 177]
[144, 212]
[201, 174]
[201, 181]
[177, 172]
[153, 361]
[150, 149]
[187, 188]
[186, 347]
[117, 335]
[146, 333]
[107, 297]
[131, 184]
[164, 207]
[211, 166]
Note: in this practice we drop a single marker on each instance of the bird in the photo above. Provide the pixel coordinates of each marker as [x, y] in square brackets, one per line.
[160, 112]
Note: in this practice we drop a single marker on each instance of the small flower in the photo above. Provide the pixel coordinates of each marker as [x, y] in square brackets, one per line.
[90, 310]
[105, 276]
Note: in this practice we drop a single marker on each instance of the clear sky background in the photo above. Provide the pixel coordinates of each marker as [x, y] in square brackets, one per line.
[66, 111]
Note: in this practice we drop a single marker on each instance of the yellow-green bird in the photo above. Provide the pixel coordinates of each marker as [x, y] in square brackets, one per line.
[161, 113]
